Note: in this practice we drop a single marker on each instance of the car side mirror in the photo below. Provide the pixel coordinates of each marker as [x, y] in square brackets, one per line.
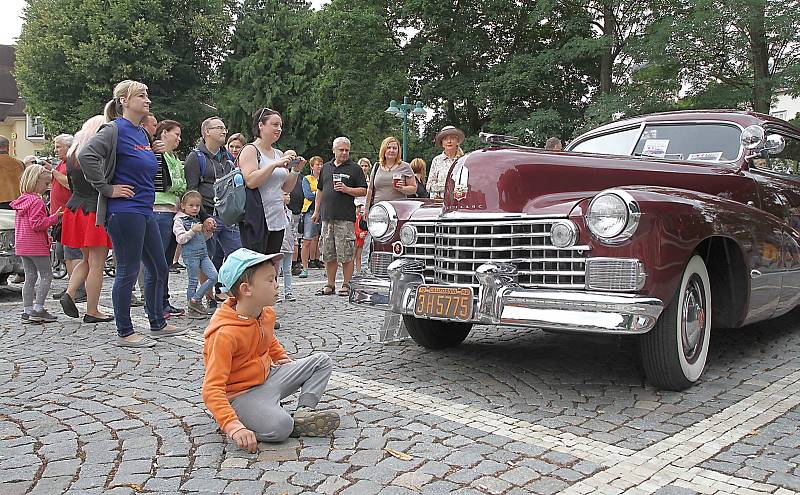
[774, 144]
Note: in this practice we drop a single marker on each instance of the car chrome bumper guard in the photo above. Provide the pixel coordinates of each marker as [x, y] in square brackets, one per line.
[502, 301]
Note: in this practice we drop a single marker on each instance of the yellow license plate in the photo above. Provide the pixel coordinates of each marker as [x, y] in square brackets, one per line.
[436, 301]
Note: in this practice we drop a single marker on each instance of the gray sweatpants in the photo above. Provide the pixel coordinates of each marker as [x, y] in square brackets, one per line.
[36, 267]
[259, 408]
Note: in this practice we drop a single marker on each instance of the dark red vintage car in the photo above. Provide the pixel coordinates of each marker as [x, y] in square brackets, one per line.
[663, 226]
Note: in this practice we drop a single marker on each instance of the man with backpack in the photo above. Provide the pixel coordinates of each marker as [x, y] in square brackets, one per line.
[208, 162]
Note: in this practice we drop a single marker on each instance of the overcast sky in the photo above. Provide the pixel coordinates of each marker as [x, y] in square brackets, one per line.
[11, 23]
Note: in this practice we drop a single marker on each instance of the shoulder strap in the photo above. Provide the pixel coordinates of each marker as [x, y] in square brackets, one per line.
[258, 154]
[201, 162]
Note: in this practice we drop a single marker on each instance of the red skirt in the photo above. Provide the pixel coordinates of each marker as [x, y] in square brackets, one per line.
[78, 230]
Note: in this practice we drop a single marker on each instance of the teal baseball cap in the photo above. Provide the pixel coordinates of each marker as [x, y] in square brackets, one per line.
[239, 261]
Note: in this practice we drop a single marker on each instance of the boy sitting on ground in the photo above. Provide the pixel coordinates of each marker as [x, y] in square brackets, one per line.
[247, 369]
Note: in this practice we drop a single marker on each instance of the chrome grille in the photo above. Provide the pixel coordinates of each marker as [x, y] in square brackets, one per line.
[614, 274]
[460, 247]
[378, 262]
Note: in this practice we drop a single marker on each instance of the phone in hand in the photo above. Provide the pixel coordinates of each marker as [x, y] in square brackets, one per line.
[294, 162]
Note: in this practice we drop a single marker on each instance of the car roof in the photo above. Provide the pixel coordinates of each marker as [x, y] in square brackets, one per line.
[743, 118]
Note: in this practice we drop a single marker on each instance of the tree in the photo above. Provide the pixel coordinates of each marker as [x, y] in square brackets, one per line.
[71, 53]
[273, 62]
[363, 69]
[734, 53]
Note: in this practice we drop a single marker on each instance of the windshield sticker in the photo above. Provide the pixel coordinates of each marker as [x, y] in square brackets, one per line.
[655, 147]
[709, 156]
[673, 156]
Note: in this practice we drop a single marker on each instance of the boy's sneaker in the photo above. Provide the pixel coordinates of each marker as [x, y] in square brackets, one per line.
[289, 297]
[309, 423]
[26, 319]
[196, 310]
[136, 302]
[303, 273]
[41, 316]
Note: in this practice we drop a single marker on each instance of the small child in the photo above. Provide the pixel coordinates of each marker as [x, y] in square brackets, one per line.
[32, 243]
[287, 250]
[189, 233]
[247, 369]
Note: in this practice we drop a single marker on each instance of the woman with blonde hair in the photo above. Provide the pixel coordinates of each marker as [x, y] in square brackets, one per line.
[393, 178]
[419, 166]
[120, 164]
[79, 230]
[449, 139]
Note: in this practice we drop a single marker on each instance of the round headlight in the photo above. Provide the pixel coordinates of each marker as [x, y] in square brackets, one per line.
[408, 235]
[563, 234]
[382, 221]
[608, 217]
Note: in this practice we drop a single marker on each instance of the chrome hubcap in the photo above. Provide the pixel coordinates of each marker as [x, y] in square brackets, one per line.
[693, 321]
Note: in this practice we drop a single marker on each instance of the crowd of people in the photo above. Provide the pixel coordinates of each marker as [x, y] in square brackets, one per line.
[118, 184]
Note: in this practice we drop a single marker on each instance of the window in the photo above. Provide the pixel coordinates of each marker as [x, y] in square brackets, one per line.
[614, 143]
[34, 128]
[690, 141]
[781, 114]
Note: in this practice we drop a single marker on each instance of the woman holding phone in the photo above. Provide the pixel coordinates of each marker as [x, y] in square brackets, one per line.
[270, 171]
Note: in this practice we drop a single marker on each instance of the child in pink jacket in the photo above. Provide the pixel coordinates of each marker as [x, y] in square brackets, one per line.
[31, 242]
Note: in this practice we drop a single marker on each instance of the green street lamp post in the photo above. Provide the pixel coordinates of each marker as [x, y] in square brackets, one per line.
[402, 111]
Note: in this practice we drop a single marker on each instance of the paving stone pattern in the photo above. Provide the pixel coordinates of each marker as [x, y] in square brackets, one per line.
[508, 412]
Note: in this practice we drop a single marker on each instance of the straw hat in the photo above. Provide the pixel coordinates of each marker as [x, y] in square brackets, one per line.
[448, 131]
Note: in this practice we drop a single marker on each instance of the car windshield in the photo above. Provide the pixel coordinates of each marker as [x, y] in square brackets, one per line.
[683, 141]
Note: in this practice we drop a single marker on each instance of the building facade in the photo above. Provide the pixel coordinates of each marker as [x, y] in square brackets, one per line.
[24, 132]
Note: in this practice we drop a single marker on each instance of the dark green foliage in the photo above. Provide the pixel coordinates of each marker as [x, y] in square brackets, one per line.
[71, 53]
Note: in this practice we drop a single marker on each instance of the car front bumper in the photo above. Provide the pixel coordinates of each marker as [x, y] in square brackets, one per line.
[501, 301]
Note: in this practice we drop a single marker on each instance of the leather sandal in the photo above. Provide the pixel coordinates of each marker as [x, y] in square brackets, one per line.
[326, 291]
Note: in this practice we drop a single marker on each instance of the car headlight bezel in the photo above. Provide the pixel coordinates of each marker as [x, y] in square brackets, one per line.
[627, 217]
[382, 221]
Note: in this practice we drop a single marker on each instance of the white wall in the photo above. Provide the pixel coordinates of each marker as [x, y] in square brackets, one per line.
[785, 107]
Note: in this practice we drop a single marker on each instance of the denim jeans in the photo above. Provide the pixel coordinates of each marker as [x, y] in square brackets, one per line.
[194, 263]
[224, 241]
[164, 221]
[136, 239]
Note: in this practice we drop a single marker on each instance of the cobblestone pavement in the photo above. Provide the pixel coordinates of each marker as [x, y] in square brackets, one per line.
[508, 412]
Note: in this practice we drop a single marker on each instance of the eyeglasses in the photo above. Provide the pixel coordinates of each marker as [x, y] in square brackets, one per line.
[220, 127]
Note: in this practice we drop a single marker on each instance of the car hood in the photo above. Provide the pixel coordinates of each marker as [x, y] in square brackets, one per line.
[537, 182]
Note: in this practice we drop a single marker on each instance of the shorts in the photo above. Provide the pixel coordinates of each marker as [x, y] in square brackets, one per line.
[338, 240]
[310, 229]
[71, 253]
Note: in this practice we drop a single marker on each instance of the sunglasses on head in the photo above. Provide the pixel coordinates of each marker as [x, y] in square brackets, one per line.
[265, 109]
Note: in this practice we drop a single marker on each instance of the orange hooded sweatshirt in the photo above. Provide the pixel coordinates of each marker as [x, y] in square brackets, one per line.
[237, 355]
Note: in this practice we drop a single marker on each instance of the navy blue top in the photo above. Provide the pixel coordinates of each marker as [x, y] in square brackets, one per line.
[137, 167]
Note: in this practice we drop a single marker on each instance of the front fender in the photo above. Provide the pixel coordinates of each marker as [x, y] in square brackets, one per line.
[674, 223]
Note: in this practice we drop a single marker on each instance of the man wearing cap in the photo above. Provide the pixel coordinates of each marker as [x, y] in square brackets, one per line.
[450, 139]
[248, 371]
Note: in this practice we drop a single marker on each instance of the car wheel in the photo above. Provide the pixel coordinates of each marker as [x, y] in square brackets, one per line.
[59, 270]
[674, 352]
[435, 334]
